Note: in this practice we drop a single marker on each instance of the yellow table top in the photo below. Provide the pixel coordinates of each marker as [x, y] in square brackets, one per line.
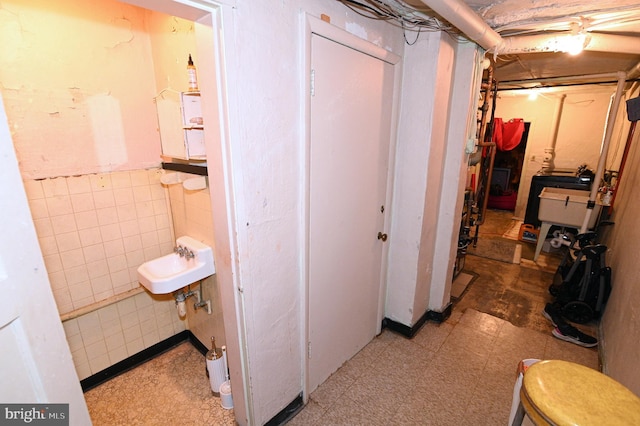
[571, 394]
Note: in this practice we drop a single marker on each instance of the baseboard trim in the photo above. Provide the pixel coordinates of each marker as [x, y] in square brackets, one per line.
[140, 358]
[441, 316]
[288, 412]
[410, 331]
[197, 343]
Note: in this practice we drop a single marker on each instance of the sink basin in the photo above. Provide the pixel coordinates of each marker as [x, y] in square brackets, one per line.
[561, 206]
[173, 271]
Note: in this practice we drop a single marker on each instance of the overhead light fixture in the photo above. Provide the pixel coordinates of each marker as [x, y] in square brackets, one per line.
[575, 43]
[533, 94]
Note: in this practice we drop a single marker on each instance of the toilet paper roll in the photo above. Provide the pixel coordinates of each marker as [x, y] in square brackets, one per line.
[196, 183]
[170, 178]
[217, 374]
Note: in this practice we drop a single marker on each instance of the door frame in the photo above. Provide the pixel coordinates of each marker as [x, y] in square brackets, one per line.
[314, 25]
[219, 15]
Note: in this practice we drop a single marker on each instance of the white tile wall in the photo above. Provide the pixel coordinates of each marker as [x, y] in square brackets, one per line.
[95, 230]
[110, 334]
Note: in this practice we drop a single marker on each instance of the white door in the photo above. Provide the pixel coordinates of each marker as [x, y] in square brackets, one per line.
[351, 107]
[35, 361]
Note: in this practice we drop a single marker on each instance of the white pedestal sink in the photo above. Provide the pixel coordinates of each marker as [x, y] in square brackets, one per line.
[169, 273]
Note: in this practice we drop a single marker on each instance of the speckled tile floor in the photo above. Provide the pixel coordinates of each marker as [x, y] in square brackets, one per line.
[170, 389]
[459, 372]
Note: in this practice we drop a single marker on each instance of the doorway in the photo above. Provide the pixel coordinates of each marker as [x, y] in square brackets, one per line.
[348, 167]
[496, 236]
[506, 174]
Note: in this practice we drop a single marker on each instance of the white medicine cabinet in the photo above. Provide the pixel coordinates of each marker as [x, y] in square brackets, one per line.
[180, 124]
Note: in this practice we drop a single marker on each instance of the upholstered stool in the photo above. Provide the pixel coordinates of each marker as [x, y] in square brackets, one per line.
[563, 393]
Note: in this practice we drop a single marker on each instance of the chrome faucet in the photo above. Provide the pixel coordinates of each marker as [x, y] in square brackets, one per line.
[184, 252]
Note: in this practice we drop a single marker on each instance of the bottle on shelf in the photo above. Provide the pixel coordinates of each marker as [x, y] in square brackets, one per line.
[193, 77]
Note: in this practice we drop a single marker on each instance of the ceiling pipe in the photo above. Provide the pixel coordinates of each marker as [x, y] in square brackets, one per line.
[634, 72]
[467, 21]
[613, 43]
[594, 42]
[598, 78]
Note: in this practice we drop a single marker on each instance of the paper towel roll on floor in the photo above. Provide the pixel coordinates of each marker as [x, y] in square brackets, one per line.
[217, 374]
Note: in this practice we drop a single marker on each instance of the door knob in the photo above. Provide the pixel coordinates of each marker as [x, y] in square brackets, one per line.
[382, 236]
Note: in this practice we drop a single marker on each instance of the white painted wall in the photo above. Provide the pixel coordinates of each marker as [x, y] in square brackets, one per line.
[430, 171]
[409, 192]
[266, 141]
[620, 325]
[428, 278]
[259, 255]
[77, 86]
[263, 149]
[461, 128]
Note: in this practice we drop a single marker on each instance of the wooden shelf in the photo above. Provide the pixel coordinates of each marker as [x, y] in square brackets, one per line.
[186, 168]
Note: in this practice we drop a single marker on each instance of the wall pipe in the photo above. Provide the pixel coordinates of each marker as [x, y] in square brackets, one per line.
[490, 145]
[611, 119]
[625, 154]
[550, 151]
[568, 78]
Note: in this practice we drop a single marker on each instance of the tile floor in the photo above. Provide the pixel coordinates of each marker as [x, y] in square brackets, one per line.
[459, 372]
[171, 389]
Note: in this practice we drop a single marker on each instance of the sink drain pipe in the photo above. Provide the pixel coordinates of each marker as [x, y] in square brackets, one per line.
[181, 299]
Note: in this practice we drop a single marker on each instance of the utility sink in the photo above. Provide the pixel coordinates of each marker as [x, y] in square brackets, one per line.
[191, 261]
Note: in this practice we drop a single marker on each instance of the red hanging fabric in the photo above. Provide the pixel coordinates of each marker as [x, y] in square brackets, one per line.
[497, 131]
[507, 135]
